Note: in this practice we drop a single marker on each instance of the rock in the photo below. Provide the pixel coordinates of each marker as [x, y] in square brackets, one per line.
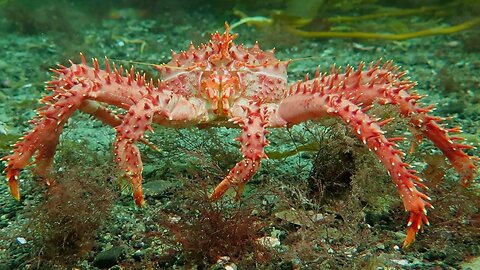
[269, 242]
[110, 257]
[21, 240]
[401, 262]
[138, 255]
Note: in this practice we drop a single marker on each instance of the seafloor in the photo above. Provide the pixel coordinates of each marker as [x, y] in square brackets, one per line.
[329, 206]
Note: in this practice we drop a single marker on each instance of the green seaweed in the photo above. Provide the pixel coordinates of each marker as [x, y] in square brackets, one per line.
[6, 140]
[310, 147]
[383, 21]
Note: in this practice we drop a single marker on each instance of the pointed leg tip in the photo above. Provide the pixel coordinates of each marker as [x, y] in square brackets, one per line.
[216, 195]
[409, 239]
[140, 202]
[220, 190]
[12, 178]
[14, 190]
[139, 199]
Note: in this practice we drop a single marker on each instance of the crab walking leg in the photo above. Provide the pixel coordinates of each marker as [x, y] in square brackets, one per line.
[101, 113]
[135, 123]
[44, 158]
[301, 107]
[74, 88]
[385, 84]
[253, 141]
[159, 107]
[430, 127]
[106, 116]
[44, 137]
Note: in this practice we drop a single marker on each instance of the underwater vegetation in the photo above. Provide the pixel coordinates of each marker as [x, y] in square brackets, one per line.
[254, 96]
[208, 232]
[321, 201]
[303, 18]
[63, 227]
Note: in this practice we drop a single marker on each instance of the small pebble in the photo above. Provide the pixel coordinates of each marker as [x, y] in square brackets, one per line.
[21, 240]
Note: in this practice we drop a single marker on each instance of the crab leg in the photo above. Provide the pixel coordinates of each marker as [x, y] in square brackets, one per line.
[253, 141]
[44, 137]
[430, 127]
[127, 155]
[385, 84]
[300, 107]
[158, 107]
[76, 87]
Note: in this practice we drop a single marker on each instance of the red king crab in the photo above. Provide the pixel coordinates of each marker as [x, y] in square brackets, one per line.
[224, 84]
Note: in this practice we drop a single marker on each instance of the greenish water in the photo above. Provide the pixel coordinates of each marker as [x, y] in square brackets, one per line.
[322, 201]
